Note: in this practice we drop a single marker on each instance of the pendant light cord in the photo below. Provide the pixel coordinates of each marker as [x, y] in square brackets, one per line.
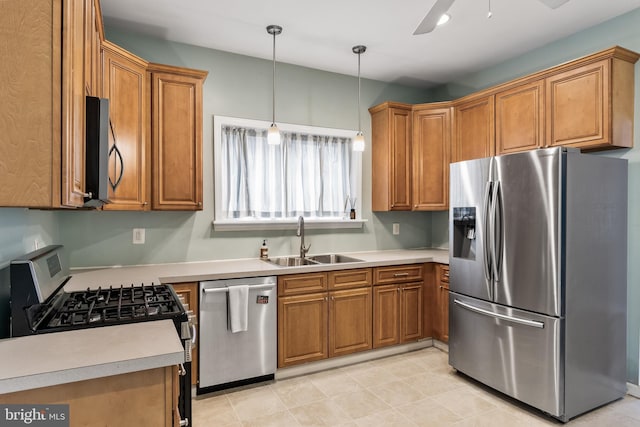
[273, 86]
[359, 122]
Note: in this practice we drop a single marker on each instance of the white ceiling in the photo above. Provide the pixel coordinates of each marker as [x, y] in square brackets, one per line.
[320, 33]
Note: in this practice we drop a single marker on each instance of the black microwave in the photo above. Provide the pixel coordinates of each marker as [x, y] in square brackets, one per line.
[97, 152]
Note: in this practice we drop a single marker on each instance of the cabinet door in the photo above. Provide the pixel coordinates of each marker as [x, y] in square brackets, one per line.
[474, 129]
[386, 315]
[441, 304]
[125, 86]
[578, 106]
[189, 292]
[520, 118]
[176, 141]
[73, 103]
[345, 279]
[391, 157]
[410, 312]
[398, 273]
[302, 328]
[430, 152]
[293, 284]
[349, 321]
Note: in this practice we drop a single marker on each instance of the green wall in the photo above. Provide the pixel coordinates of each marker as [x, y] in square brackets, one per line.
[623, 31]
[240, 86]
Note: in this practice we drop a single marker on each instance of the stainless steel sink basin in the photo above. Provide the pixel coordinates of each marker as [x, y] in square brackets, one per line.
[333, 259]
[294, 261]
[291, 261]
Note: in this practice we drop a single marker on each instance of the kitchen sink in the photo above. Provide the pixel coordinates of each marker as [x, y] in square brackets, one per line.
[294, 261]
[333, 259]
[291, 261]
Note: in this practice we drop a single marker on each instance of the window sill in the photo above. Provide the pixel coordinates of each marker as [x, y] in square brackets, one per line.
[286, 224]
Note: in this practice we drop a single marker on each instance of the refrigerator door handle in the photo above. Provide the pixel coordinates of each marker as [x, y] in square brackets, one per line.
[487, 233]
[519, 320]
[496, 232]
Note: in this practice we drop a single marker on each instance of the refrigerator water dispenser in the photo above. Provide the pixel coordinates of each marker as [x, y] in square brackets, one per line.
[464, 232]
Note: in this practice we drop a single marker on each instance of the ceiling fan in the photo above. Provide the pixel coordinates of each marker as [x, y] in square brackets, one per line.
[442, 6]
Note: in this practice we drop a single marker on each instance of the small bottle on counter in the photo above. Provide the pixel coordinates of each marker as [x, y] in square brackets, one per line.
[352, 214]
[264, 250]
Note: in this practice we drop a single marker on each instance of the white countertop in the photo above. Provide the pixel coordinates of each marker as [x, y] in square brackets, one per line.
[238, 268]
[63, 357]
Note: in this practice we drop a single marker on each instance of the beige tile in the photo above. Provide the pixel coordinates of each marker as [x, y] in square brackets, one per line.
[360, 404]
[464, 402]
[396, 393]
[496, 418]
[429, 413]
[334, 382]
[322, 413]
[372, 376]
[214, 411]
[430, 384]
[402, 368]
[277, 419]
[390, 418]
[297, 391]
[254, 403]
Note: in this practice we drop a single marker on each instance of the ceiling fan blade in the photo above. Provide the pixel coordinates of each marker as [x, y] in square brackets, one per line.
[554, 4]
[431, 20]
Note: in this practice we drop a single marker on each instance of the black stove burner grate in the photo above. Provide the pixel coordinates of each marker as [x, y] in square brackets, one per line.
[110, 306]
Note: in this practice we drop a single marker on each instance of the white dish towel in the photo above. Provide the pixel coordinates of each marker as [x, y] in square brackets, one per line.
[239, 307]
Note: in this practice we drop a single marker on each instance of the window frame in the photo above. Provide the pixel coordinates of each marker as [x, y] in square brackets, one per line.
[225, 224]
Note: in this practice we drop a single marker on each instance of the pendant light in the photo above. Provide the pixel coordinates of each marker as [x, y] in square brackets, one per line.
[273, 135]
[358, 141]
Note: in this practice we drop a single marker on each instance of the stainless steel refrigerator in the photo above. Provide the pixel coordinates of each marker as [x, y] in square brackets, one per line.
[538, 277]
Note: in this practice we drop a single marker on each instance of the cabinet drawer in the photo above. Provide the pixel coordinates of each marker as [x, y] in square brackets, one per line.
[397, 274]
[302, 283]
[350, 278]
[443, 274]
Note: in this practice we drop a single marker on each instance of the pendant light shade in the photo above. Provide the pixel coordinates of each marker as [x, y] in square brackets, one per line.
[358, 141]
[273, 134]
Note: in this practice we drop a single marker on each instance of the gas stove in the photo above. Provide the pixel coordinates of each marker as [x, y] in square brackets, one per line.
[110, 306]
[40, 305]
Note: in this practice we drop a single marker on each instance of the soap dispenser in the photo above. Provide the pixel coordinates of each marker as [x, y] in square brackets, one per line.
[264, 250]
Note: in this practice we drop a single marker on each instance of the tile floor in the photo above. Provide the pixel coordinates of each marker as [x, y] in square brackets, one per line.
[412, 389]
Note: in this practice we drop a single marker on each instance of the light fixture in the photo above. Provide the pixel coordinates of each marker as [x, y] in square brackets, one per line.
[358, 141]
[489, 14]
[273, 134]
[444, 18]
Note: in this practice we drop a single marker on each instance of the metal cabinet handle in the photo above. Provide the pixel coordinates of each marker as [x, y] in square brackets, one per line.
[194, 334]
[181, 370]
[184, 423]
[400, 274]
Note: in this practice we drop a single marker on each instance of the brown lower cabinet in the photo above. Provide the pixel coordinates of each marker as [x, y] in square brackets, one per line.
[441, 304]
[316, 325]
[397, 314]
[143, 398]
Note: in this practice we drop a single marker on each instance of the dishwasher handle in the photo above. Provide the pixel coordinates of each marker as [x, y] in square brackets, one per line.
[226, 288]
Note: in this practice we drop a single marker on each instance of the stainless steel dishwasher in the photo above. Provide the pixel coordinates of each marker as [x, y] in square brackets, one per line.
[229, 359]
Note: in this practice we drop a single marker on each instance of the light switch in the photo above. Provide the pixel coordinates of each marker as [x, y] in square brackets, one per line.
[396, 228]
[138, 236]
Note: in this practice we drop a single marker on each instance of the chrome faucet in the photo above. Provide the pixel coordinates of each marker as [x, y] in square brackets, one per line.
[300, 233]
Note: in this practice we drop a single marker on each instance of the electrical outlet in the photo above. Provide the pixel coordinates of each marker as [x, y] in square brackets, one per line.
[138, 236]
[396, 228]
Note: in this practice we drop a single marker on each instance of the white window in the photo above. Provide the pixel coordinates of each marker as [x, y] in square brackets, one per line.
[312, 173]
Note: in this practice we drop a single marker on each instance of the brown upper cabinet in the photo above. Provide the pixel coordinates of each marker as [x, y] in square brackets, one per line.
[592, 106]
[431, 153]
[176, 137]
[42, 109]
[474, 131]
[586, 103]
[124, 84]
[410, 156]
[391, 157]
[519, 115]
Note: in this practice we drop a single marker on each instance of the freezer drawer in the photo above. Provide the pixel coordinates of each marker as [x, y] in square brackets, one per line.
[513, 351]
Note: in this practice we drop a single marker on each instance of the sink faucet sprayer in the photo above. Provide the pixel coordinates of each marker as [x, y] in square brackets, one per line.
[300, 233]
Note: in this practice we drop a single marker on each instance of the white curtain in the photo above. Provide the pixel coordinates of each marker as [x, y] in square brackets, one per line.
[309, 175]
